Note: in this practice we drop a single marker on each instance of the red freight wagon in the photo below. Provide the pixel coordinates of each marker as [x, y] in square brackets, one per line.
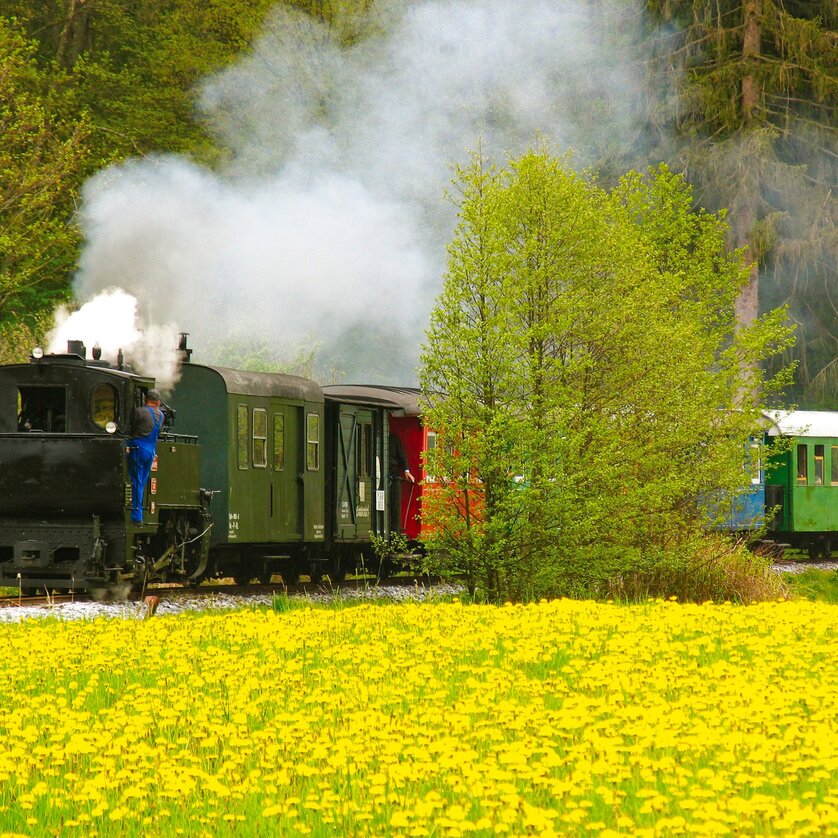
[400, 415]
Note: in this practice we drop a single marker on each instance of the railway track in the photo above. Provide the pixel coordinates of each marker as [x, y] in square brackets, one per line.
[175, 591]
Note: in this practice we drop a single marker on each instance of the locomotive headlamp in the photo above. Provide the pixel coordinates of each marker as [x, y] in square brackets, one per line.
[111, 427]
[37, 353]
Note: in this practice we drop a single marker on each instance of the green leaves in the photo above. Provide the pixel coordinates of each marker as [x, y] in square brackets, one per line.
[41, 157]
[586, 370]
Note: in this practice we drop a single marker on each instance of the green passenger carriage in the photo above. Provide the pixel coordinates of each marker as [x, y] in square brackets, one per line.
[802, 480]
[263, 462]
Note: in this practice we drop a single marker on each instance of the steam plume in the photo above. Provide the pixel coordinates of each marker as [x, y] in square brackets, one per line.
[110, 320]
[328, 224]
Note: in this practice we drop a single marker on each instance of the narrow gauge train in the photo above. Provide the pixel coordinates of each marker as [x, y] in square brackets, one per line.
[267, 474]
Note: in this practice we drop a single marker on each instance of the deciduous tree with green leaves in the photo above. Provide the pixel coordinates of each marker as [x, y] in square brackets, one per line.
[592, 391]
[41, 156]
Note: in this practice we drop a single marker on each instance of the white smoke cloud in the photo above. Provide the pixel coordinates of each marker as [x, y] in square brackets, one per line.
[110, 321]
[330, 211]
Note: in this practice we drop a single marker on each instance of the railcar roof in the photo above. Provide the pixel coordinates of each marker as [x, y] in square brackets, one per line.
[404, 399]
[245, 383]
[802, 423]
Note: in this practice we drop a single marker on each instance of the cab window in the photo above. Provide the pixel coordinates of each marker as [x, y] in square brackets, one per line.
[42, 409]
[103, 404]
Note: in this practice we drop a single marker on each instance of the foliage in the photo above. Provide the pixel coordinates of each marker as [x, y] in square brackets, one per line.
[551, 719]
[585, 371]
[41, 158]
[710, 569]
[756, 131]
[19, 337]
[260, 354]
[814, 584]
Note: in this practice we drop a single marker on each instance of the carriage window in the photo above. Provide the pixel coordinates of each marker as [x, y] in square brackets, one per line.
[242, 435]
[279, 442]
[819, 465]
[834, 465]
[260, 437]
[431, 446]
[802, 464]
[103, 404]
[312, 442]
[363, 452]
[42, 409]
[755, 465]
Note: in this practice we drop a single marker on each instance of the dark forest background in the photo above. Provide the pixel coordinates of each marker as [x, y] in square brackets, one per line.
[745, 107]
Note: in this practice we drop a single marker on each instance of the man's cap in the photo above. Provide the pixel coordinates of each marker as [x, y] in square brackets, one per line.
[153, 395]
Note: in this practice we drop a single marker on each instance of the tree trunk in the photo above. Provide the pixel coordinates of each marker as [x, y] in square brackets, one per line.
[75, 34]
[747, 304]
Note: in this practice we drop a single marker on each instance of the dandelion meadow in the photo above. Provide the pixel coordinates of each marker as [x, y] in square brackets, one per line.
[553, 718]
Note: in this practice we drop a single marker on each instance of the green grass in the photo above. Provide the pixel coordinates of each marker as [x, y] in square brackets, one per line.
[815, 585]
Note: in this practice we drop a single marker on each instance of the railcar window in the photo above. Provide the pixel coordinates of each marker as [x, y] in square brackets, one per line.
[312, 442]
[755, 465]
[802, 464]
[103, 404]
[431, 445]
[364, 449]
[260, 437]
[279, 442]
[42, 409]
[819, 465]
[242, 435]
[834, 453]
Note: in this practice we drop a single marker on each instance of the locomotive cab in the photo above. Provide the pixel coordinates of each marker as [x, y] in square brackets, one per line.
[64, 486]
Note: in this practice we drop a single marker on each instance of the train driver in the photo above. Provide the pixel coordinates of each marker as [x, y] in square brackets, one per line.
[142, 447]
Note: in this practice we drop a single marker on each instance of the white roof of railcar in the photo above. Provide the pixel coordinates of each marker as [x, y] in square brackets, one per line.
[405, 400]
[802, 423]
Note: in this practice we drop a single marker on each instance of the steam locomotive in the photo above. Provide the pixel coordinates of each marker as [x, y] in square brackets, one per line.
[267, 473]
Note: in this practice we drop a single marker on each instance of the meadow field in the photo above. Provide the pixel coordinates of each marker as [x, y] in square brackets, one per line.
[415, 719]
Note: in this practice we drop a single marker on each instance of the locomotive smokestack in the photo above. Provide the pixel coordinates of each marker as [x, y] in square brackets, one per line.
[184, 353]
[76, 347]
[120, 360]
[97, 352]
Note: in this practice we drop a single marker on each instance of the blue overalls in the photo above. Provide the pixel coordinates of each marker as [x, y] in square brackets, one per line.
[140, 457]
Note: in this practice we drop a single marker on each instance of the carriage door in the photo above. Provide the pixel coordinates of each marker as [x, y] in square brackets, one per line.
[286, 468]
[355, 494]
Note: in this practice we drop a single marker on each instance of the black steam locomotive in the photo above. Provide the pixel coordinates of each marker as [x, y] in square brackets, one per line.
[267, 474]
